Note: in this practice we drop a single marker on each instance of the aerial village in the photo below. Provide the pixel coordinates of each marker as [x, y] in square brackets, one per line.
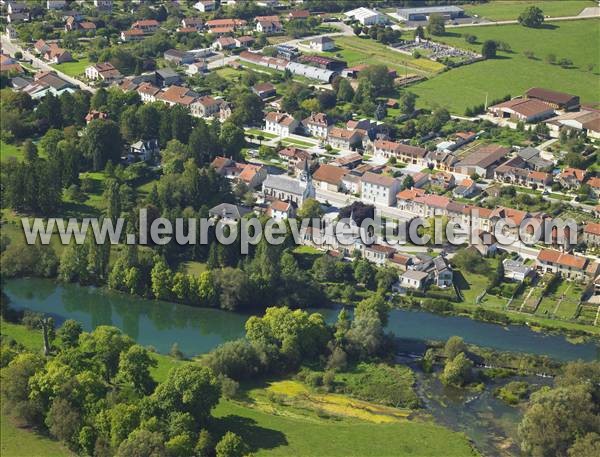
[292, 109]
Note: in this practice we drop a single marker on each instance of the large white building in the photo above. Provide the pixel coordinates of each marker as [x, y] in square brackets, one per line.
[366, 16]
[379, 189]
[280, 124]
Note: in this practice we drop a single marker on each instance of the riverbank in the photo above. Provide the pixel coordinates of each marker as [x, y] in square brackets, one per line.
[199, 330]
[273, 429]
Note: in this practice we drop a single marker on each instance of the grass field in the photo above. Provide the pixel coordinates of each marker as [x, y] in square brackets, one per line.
[510, 9]
[20, 442]
[283, 435]
[513, 73]
[355, 51]
[76, 68]
[10, 150]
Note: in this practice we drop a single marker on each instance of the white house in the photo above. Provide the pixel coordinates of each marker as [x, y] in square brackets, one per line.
[104, 71]
[205, 5]
[280, 210]
[413, 279]
[280, 124]
[321, 44]
[145, 151]
[317, 124]
[379, 189]
[197, 67]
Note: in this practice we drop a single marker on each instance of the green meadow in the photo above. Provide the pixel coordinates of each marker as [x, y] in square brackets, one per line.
[510, 9]
[512, 72]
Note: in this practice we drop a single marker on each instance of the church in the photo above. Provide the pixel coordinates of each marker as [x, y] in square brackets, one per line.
[287, 189]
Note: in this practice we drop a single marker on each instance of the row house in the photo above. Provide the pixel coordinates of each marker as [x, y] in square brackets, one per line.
[379, 189]
[132, 35]
[522, 176]
[215, 25]
[378, 253]
[567, 265]
[317, 124]
[147, 92]
[146, 25]
[594, 184]
[280, 124]
[591, 234]
[441, 160]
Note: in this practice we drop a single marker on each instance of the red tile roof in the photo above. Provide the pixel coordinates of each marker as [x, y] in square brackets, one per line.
[563, 259]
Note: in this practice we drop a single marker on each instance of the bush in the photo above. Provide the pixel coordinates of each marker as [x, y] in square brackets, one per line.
[314, 379]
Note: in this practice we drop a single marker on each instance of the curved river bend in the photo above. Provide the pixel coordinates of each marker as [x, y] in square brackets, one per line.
[198, 330]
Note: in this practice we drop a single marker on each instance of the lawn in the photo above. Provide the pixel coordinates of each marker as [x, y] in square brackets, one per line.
[76, 68]
[15, 440]
[10, 150]
[257, 132]
[510, 9]
[285, 435]
[295, 142]
[355, 51]
[513, 73]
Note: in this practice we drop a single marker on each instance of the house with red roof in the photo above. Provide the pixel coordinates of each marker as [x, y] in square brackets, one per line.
[567, 265]
[571, 178]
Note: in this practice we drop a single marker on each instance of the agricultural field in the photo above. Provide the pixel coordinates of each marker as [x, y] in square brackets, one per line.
[355, 51]
[510, 9]
[512, 72]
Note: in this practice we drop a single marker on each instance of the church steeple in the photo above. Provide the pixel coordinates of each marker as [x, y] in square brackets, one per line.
[305, 178]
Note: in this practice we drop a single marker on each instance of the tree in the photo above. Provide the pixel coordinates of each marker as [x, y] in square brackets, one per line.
[531, 16]
[162, 280]
[586, 446]
[63, 420]
[470, 38]
[488, 50]
[232, 139]
[568, 412]
[69, 333]
[407, 102]
[204, 445]
[231, 445]
[436, 24]
[142, 443]
[15, 389]
[454, 346]
[457, 372]
[419, 32]
[101, 143]
[310, 209]
[364, 272]
[188, 388]
[134, 368]
[235, 359]
[345, 92]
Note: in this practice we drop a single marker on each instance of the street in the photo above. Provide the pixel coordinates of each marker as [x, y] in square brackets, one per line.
[40, 64]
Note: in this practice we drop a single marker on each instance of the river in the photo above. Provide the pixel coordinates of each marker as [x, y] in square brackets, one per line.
[198, 330]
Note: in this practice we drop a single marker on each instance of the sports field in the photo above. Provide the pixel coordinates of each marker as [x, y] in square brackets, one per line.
[512, 72]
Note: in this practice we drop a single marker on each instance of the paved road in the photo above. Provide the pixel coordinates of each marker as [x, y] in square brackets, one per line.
[40, 64]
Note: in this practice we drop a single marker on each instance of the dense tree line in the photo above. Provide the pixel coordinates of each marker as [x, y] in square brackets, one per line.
[96, 394]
